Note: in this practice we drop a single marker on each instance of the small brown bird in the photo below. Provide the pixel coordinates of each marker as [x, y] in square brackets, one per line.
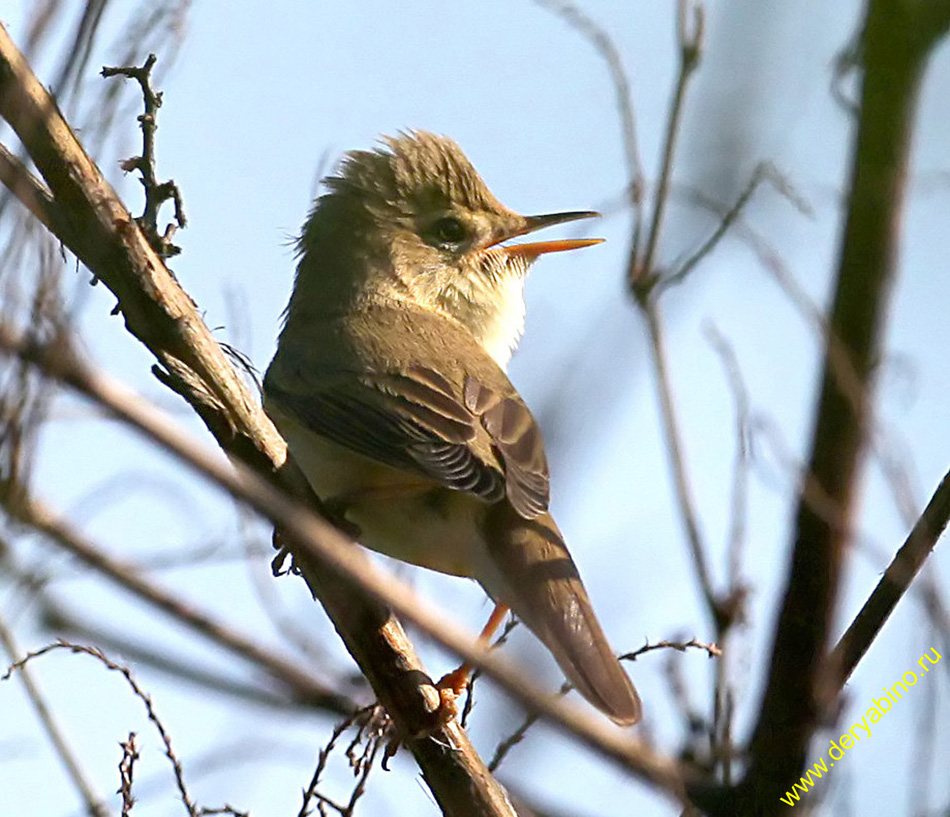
[389, 387]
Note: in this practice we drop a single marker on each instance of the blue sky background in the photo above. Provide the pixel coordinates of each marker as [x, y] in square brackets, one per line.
[259, 100]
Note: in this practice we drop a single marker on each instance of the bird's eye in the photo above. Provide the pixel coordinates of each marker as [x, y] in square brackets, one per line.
[449, 230]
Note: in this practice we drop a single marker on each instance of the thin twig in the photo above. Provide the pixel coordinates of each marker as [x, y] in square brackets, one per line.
[674, 447]
[642, 277]
[366, 765]
[712, 650]
[130, 754]
[740, 469]
[373, 729]
[839, 360]
[844, 371]
[723, 710]
[763, 172]
[604, 45]
[156, 193]
[723, 750]
[806, 487]
[311, 791]
[510, 624]
[697, 726]
[862, 631]
[95, 806]
[65, 624]
[507, 744]
[689, 35]
[305, 687]
[126, 673]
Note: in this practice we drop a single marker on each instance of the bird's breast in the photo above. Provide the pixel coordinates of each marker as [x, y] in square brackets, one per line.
[400, 513]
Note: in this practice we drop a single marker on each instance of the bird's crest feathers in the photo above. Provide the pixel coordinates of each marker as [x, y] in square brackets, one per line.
[416, 168]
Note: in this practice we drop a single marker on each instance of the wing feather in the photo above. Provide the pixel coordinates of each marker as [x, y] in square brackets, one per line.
[516, 436]
[477, 441]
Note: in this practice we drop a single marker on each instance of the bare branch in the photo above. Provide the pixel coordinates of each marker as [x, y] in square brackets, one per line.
[506, 745]
[32, 193]
[841, 365]
[740, 469]
[674, 445]
[311, 791]
[156, 193]
[689, 35]
[304, 686]
[316, 540]
[895, 582]
[605, 46]
[65, 624]
[642, 278]
[518, 735]
[723, 694]
[126, 673]
[163, 317]
[95, 806]
[798, 691]
[130, 754]
[712, 650]
[151, 714]
[372, 726]
[764, 172]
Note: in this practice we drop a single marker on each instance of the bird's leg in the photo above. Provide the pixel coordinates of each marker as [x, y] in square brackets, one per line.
[454, 683]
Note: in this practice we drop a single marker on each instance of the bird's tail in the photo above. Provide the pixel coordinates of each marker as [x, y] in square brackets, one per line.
[537, 579]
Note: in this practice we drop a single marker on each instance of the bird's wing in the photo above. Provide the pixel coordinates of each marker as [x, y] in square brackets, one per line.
[517, 440]
[479, 440]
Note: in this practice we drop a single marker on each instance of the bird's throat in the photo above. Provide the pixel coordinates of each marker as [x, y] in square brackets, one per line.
[492, 311]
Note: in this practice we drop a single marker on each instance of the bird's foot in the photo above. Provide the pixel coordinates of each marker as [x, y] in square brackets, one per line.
[451, 687]
[456, 682]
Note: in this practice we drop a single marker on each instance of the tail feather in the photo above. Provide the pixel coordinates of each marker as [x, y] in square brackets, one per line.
[536, 577]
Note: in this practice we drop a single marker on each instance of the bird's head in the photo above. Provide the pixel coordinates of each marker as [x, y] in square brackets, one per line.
[418, 223]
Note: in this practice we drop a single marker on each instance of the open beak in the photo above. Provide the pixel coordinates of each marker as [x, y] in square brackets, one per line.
[535, 248]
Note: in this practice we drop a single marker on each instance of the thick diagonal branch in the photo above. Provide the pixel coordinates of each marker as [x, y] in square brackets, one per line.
[160, 314]
[317, 540]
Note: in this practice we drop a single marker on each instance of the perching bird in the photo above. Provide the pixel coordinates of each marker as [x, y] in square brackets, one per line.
[389, 386]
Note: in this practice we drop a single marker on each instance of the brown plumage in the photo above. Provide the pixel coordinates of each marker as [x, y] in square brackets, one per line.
[389, 386]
